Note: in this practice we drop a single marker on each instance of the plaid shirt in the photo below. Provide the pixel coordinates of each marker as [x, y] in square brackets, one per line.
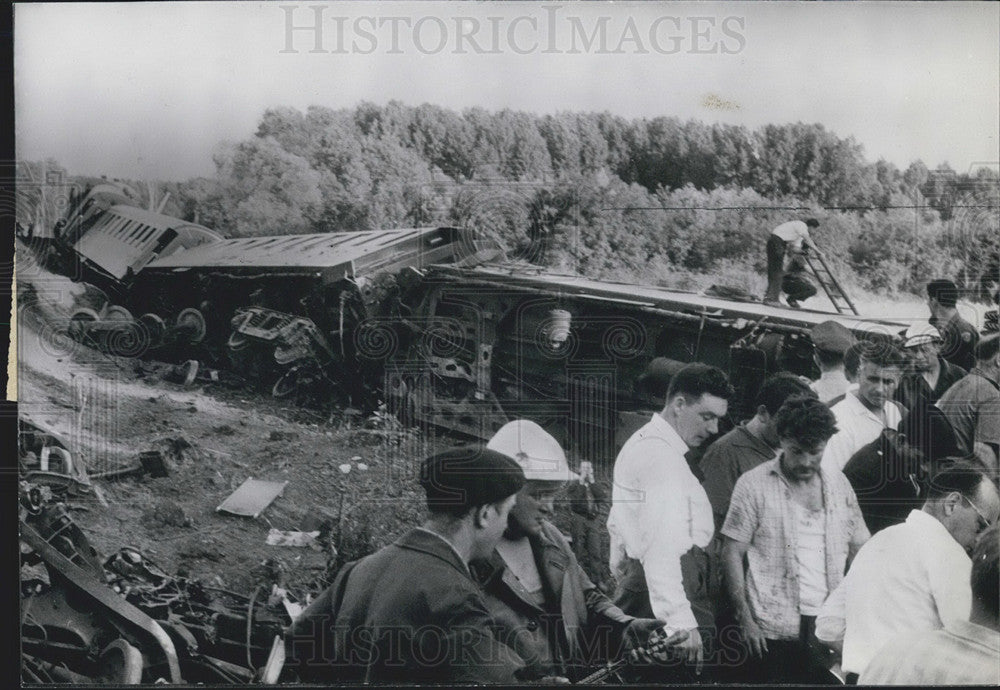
[761, 515]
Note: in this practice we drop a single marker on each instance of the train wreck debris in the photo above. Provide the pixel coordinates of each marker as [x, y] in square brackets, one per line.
[430, 321]
[45, 459]
[483, 344]
[124, 620]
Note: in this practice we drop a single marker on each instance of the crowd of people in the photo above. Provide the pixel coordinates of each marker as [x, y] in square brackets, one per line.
[845, 533]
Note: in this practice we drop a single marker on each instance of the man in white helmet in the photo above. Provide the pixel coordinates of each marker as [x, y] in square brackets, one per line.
[543, 604]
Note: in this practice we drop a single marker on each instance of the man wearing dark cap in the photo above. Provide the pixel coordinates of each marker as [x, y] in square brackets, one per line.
[411, 612]
[960, 336]
[929, 374]
[830, 342]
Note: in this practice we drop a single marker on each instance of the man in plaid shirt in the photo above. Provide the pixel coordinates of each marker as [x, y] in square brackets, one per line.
[797, 526]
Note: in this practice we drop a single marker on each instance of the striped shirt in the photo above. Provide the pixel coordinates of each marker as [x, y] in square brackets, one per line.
[761, 515]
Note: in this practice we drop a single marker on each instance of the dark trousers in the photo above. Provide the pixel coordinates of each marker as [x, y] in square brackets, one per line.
[775, 267]
[632, 597]
[799, 662]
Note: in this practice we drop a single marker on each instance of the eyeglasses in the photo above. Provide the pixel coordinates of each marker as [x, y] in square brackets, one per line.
[983, 523]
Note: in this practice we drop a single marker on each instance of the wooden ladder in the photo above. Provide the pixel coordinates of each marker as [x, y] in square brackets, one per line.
[841, 302]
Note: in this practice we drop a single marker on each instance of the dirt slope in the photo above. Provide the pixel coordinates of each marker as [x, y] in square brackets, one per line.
[214, 438]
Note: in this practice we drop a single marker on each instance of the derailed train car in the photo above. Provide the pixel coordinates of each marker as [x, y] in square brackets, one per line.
[433, 322]
[482, 344]
[106, 239]
[288, 307]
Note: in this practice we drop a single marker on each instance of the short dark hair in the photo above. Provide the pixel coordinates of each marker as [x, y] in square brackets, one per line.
[985, 578]
[805, 419]
[881, 351]
[944, 291]
[777, 389]
[988, 347]
[696, 380]
[830, 358]
[463, 479]
[852, 360]
[812, 223]
[959, 475]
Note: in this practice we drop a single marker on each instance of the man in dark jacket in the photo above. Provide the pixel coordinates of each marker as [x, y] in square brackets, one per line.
[543, 604]
[929, 375]
[750, 444]
[960, 336]
[411, 612]
[890, 475]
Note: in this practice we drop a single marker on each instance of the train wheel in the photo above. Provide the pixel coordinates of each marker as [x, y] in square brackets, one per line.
[116, 312]
[287, 384]
[193, 323]
[154, 326]
[80, 321]
[120, 664]
[237, 341]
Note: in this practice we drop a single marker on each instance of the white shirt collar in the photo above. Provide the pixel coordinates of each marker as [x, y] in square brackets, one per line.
[669, 434]
[926, 521]
[859, 409]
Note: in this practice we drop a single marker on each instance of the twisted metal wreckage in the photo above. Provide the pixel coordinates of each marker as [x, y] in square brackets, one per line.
[124, 620]
[436, 323]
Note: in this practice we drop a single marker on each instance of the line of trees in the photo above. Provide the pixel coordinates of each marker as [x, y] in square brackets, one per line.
[657, 200]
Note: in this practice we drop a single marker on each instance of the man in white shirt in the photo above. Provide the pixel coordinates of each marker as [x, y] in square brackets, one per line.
[961, 653]
[864, 412]
[661, 519]
[913, 576]
[792, 238]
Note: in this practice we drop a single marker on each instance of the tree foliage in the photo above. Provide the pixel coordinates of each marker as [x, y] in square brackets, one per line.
[640, 199]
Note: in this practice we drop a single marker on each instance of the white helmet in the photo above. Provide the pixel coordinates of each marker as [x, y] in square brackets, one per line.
[539, 455]
[921, 333]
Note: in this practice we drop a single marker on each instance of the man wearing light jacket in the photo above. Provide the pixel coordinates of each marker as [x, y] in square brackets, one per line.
[543, 604]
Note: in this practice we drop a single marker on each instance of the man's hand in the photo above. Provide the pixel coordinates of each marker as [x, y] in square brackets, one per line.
[643, 642]
[691, 649]
[754, 637]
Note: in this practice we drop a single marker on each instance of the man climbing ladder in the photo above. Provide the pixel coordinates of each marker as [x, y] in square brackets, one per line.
[786, 265]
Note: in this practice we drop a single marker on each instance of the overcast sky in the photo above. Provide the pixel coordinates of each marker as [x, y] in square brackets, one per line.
[150, 89]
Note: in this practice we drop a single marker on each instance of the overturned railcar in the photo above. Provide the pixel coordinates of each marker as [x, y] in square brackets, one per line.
[476, 346]
[429, 320]
[106, 239]
[290, 302]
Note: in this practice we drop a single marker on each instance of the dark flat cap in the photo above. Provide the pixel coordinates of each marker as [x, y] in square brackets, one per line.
[466, 477]
[831, 336]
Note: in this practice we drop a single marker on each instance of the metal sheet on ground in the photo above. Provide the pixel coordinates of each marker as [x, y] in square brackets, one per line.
[252, 497]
